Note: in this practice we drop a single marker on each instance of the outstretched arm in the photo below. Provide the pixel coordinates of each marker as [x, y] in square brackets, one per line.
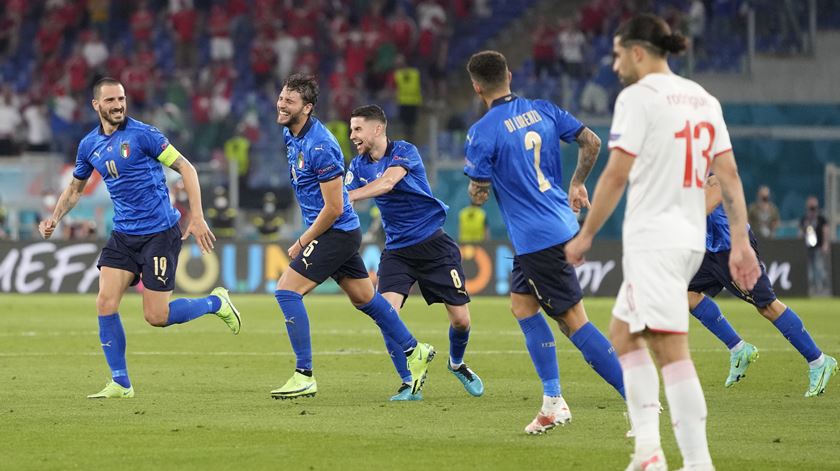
[197, 226]
[589, 145]
[68, 199]
[380, 186]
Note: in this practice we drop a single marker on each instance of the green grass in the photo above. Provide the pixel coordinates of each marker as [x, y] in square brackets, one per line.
[202, 394]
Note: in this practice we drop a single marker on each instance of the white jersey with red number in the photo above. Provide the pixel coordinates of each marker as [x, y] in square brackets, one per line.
[674, 128]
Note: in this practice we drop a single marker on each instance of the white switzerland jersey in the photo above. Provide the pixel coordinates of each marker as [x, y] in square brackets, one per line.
[674, 128]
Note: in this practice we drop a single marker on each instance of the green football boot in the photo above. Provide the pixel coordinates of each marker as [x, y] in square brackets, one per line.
[418, 365]
[818, 377]
[405, 394]
[299, 385]
[739, 361]
[113, 390]
[228, 311]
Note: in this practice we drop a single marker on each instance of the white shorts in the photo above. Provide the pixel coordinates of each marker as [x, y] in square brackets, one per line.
[654, 293]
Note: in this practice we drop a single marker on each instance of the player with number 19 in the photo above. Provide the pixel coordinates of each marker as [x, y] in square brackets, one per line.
[515, 148]
[146, 239]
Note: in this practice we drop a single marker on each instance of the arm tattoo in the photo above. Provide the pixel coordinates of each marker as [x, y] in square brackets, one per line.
[479, 191]
[590, 145]
[178, 165]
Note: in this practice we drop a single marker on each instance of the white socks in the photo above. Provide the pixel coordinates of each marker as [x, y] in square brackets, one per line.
[688, 411]
[641, 385]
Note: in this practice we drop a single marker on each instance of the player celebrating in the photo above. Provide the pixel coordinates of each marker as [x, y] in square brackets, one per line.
[666, 133]
[713, 276]
[146, 239]
[516, 148]
[329, 247]
[416, 248]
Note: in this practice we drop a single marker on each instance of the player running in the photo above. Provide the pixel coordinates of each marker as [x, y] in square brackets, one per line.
[516, 148]
[417, 250]
[713, 276]
[329, 247]
[667, 132]
[146, 239]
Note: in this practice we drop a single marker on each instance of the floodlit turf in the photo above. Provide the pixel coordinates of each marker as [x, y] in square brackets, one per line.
[203, 394]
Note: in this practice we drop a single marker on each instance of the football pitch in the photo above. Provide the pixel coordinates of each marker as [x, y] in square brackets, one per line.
[203, 394]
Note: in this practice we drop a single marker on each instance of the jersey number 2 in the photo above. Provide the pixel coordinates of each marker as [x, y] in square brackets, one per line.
[690, 175]
[534, 141]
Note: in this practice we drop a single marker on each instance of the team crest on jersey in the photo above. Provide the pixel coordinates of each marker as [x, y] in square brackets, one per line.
[300, 160]
[125, 150]
[348, 179]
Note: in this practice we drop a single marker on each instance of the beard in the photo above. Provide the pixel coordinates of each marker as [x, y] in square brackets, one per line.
[112, 121]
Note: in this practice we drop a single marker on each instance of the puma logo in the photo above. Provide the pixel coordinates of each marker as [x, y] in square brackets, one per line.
[305, 263]
[107, 344]
[290, 320]
[162, 279]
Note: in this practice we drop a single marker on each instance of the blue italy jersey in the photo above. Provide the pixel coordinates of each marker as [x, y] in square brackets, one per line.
[718, 238]
[516, 146]
[314, 157]
[410, 213]
[129, 161]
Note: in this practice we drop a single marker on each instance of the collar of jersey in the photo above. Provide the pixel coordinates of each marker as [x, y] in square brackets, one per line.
[306, 127]
[503, 100]
[388, 150]
[121, 127]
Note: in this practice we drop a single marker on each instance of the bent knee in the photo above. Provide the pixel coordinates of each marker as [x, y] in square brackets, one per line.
[107, 304]
[461, 323]
[156, 317]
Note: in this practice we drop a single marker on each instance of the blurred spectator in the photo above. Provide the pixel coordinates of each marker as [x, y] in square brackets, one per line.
[403, 31]
[570, 41]
[268, 222]
[142, 22]
[221, 46]
[76, 69]
[4, 214]
[472, 225]
[813, 227]
[222, 216]
[98, 14]
[181, 201]
[237, 152]
[183, 22]
[375, 233]
[763, 214]
[262, 59]
[286, 49]
[697, 25]
[10, 120]
[409, 95]
[595, 97]
[94, 51]
[38, 132]
[341, 130]
[545, 59]
[117, 61]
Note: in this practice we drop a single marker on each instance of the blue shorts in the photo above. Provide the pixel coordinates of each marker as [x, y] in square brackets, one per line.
[714, 275]
[152, 257]
[335, 254]
[434, 264]
[546, 275]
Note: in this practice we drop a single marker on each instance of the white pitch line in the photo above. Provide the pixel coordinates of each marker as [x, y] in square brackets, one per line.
[328, 353]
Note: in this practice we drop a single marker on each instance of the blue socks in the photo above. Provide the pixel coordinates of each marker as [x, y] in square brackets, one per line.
[790, 325]
[708, 313]
[540, 342]
[457, 344]
[389, 322]
[297, 325]
[600, 354]
[398, 358]
[184, 310]
[112, 337]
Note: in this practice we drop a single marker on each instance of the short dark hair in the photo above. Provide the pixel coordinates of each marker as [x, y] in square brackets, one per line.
[97, 87]
[373, 112]
[306, 85]
[652, 33]
[488, 68]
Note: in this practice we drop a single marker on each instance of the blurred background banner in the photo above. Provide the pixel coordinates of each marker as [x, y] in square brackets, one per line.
[243, 267]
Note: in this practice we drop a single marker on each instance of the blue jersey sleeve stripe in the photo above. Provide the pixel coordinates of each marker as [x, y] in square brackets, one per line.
[80, 177]
[477, 179]
[580, 130]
